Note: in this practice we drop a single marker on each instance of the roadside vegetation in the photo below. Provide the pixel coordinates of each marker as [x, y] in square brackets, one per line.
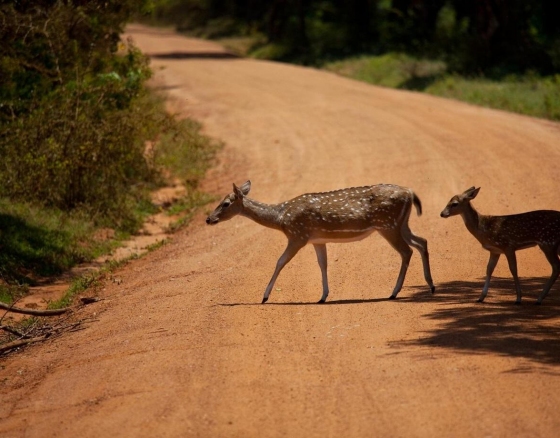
[528, 93]
[502, 55]
[83, 140]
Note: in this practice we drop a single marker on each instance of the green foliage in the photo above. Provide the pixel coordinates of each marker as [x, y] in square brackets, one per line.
[10, 293]
[470, 36]
[186, 208]
[183, 150]
[528, 94]
[72, 121]
[89, 152]
[395, 70]
[40, 242]
[82, 141]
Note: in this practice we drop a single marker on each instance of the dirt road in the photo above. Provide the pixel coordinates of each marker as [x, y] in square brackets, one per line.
[182, 347]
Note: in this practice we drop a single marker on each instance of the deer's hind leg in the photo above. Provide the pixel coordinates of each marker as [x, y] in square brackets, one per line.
[551, 253]
[321, 250]
[421, 245]
[397, 241]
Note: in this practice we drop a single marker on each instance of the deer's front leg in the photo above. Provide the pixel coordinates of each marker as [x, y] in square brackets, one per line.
[289, 253]
[512, 262]
[492, 262]
[321, 250]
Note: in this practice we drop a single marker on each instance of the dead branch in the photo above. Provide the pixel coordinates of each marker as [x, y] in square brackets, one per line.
[48, 312]
[21, 342]
[12, 331]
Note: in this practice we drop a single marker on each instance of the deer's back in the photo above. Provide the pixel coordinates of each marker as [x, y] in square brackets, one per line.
[380, 206]
[524, 229]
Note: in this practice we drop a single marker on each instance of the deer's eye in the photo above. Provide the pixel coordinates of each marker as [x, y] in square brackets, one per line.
[226, 204]
[454, 203]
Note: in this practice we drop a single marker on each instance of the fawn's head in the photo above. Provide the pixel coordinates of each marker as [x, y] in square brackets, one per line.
[458, 202]
[231, 205]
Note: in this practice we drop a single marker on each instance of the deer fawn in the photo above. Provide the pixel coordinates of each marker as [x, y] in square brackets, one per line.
[507, 234]
[344, 215]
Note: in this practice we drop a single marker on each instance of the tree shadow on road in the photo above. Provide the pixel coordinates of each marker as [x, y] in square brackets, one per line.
[496, 326]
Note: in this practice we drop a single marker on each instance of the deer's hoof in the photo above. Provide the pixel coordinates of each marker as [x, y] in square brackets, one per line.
[480, 300]
[393, 297]
[538, 303]
[433, 289]
[321, 301]
[264, 300]
[518, 303]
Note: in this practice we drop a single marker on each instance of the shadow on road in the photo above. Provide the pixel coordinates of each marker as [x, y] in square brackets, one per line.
[194, 55]
[309, 303]
[496, 326]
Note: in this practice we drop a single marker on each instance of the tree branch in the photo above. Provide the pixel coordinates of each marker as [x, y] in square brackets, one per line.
[48, 312]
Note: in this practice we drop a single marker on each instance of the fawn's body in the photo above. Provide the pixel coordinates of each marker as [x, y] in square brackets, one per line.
[508, 234]
[339, 216]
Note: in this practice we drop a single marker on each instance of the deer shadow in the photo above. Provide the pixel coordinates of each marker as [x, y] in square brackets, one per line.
[308, 303]
[496, 326]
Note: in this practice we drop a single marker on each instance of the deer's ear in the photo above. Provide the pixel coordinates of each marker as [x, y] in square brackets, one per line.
[240, 192]
[471, 193]
[246, 187]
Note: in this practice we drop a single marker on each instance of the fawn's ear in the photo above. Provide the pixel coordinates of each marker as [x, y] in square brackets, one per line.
[471, 193]
[240, 192]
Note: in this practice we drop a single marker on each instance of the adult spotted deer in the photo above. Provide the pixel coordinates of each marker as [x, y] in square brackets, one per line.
[344, 215]
[508, 234]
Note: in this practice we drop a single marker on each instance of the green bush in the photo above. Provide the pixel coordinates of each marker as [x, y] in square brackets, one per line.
[82, 145]
[82, 139]
[73, 124]
[528, 94]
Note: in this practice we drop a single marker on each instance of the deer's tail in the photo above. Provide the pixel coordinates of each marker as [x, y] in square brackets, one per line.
[417, 203]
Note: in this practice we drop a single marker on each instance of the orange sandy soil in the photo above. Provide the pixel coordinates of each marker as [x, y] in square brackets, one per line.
[182, 346]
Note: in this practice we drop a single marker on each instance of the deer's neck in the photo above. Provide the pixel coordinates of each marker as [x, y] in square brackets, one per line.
[472, 220]
[263, 214]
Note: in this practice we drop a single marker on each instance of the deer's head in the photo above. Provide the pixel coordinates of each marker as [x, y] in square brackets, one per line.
[231, 205]
[457, 204]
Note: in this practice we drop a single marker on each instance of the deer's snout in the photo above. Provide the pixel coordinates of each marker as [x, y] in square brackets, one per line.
[211, 220]
[444, 214]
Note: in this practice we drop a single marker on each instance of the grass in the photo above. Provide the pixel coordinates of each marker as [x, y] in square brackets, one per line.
[533, 96]
[393, 70]
[528, 94]
[186, 207]
[87, 281]
[95, 279]
[38, 242]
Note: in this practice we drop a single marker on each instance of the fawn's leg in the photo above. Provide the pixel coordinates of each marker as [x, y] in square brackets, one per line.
[492, 262]
[321, 250]
[512, 262]
[551, 254]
